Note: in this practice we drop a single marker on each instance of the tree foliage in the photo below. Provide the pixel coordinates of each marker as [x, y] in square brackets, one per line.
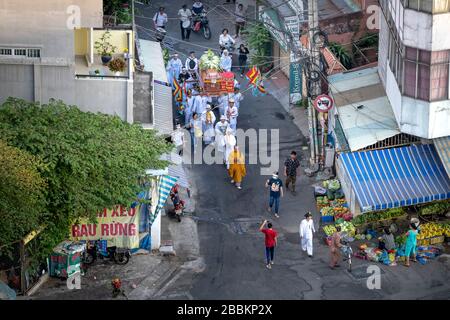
[341, 53]
[259, 38]
[22, 194]
[92, 161]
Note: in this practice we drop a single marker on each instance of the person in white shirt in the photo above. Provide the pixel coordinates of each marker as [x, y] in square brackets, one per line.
[232, 114]
[306, 233]
[225, 39]
[238, 97]
[225, 61]
[178, 139]
[160, 19]
[191, 64]
[185, 22]
[240, 18]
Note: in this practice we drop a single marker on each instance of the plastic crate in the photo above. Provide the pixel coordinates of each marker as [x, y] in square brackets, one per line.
[327, 219]
[430, 241]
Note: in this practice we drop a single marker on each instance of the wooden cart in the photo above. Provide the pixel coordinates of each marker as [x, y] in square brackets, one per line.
[216, 83]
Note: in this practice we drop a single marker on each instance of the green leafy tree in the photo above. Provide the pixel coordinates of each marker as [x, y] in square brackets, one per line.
[92, 161]
[259, 39]
[22, 194]
[341, 53]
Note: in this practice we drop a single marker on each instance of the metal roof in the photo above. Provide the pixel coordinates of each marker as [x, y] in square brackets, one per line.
[365, 112]
[443, 148]
[396, 177]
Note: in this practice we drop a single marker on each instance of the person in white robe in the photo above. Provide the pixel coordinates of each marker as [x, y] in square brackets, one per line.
[238, 97]
[208, 119]
[174, 67]
[232, 114]
[230, 142]
[221, 129]
[189, 107]
[306, 234]
[223, 103]
[225, 61]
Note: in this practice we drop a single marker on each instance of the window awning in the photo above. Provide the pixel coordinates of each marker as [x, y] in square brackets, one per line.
[443, 148]
[396, 177]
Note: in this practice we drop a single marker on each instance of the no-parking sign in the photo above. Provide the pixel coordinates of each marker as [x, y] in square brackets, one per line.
[323, 103]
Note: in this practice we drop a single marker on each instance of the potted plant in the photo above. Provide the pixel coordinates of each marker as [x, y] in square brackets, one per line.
[117, 65]
[105, 48]
[97, 72]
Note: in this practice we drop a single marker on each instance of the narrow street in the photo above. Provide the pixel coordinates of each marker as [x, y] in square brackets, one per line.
[228, 219]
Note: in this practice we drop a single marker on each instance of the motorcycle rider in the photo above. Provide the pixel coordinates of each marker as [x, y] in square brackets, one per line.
[197, 7]
[225, 40]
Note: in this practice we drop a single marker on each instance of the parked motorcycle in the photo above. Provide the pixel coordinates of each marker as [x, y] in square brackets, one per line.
[201, 22]
[118, 255]
[178, 204]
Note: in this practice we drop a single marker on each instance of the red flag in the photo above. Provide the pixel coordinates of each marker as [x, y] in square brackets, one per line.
[252, 74]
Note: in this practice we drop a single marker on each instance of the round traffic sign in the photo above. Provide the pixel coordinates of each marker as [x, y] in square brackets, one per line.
[323, 103]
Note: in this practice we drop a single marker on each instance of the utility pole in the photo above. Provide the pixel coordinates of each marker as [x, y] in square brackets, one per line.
[316, 85]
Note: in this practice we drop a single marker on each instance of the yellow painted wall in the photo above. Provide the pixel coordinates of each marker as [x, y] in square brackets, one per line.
[81, 41]
[118, 39]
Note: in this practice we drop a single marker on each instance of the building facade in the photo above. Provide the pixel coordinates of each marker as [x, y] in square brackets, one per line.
[49, 53]
[414, 58]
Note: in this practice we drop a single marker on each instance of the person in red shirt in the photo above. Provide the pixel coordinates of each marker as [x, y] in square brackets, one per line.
[270, 242]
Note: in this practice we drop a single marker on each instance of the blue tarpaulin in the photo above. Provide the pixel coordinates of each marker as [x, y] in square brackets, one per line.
[396, 177]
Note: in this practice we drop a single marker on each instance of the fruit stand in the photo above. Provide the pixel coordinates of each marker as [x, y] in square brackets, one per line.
[212, 80]
[365, 229]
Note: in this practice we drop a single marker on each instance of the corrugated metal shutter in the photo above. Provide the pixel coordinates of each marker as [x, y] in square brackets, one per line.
[163, 108]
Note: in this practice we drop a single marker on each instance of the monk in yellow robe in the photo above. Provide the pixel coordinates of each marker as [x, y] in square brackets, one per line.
[237, 167]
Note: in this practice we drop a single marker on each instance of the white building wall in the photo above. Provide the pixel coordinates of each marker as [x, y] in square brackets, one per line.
[441, 30]
[439, 125]
[417, 30]
[383, 49]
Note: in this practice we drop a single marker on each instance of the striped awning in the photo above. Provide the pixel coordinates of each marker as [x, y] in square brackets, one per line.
[443, 148]
[396, 177]
[165, 185]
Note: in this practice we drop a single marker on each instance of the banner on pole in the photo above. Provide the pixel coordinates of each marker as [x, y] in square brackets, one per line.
[295, 82]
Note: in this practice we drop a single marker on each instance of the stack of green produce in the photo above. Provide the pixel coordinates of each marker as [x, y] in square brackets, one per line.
[347, 227]
[327, 211]
[332, 185]
[322, 201]
[436, 208]
[209, 61]
[377, 216]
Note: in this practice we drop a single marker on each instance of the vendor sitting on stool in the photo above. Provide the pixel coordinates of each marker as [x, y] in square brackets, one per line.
[386, 241]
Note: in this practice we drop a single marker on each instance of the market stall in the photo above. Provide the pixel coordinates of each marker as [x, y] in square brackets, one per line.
[365, 230]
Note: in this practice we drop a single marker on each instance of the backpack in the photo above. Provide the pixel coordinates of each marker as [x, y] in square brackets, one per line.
[192, 64]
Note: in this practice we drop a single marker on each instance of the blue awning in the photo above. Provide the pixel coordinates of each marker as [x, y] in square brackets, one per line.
[396, 177]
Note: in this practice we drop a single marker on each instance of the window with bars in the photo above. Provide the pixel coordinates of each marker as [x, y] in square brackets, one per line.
[428, 6]
[21, 52]
[426, 74]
